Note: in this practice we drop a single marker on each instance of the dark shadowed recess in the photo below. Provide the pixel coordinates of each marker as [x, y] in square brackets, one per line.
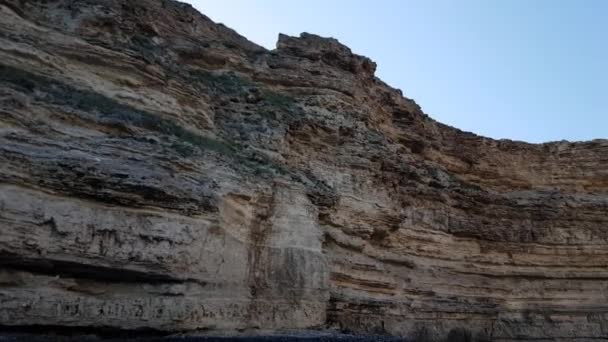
[46, 333]
[78, 270]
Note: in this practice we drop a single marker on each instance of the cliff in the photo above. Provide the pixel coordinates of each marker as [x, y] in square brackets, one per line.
[159, 171]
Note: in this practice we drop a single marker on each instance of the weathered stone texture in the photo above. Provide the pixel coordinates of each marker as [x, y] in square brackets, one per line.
[157, 170]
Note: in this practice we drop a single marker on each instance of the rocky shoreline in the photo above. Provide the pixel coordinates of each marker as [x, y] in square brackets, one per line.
[302, 337]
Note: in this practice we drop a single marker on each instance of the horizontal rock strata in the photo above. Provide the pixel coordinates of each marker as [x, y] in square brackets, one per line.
[159, 171]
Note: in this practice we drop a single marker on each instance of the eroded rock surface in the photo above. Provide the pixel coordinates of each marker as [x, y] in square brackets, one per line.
[157, 170]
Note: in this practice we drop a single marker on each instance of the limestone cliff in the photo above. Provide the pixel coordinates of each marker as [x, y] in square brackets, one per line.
[157, 170]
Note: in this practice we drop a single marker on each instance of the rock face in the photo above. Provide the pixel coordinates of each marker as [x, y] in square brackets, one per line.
[157, 170]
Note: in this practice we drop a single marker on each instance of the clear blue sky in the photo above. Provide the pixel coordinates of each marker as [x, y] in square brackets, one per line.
[532, 70]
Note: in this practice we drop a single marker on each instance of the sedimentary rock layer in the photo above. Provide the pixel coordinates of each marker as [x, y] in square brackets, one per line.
[159, 171]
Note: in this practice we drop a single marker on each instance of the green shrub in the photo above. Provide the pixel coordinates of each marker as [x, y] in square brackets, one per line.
[111, 112]
[227, 83]
[108, 111]
[279, 100]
